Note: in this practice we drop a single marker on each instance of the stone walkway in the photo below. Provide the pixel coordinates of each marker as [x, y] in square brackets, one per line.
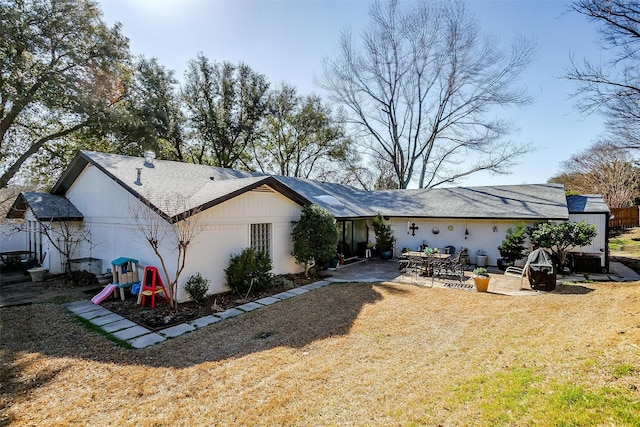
[371, 271]
[139, 336]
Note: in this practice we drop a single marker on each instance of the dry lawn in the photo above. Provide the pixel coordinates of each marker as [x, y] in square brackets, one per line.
[346, 354]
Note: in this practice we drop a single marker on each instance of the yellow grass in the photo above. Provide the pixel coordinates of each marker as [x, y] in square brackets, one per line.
[347, 354]
[627, 243]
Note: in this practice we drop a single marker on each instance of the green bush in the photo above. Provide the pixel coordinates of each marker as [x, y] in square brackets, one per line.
[197, 287]
[315, 236]
[383, 233]
[512, 248]
[283, 281]
[249, 271]
[562, 237]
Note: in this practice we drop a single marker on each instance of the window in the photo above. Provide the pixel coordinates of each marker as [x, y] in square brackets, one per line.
[261, 238]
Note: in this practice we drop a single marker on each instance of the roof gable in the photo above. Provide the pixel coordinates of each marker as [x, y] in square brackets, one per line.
[174, 190]
[45, 207]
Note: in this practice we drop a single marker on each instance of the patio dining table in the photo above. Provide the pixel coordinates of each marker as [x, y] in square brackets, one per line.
[426, 260]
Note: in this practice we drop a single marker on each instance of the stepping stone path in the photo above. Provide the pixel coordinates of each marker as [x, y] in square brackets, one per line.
[139, 336]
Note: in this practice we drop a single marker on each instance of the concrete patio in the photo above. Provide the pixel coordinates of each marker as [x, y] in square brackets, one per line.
[376, 270]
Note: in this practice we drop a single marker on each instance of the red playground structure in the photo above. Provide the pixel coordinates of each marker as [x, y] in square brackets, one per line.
[151, 285]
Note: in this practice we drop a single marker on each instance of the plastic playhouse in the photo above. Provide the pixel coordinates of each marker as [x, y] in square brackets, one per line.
[125, 274]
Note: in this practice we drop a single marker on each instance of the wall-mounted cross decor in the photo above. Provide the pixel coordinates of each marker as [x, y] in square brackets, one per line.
[413, 228]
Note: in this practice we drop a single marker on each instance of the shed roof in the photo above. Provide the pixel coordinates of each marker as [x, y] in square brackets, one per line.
[587, 203]
[45, 207]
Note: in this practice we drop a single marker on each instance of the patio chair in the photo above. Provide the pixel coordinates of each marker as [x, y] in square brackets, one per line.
[413, 265]
[520, 272]
[450, 250]
[449, 267]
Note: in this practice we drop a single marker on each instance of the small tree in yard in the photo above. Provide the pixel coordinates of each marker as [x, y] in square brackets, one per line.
[315, 236]
[175, 233]
[384, 236]
[512, 247]
[562, 237]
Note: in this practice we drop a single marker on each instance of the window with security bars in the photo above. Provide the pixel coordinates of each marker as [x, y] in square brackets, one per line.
[261, 237]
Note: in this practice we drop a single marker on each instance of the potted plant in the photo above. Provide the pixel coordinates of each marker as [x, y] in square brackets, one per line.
[384, 237]
[481, 279]
[512, 248]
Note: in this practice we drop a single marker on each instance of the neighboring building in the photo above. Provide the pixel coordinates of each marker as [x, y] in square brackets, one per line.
[592, 209]
[240, 209]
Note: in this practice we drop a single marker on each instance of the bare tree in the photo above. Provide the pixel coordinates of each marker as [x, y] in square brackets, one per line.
[602, 169]
[175, 234]
[612, 88]
[66, 236]
[62, 231]
[422, 87]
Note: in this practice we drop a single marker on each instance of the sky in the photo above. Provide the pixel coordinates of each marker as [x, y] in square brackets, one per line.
[287, 40]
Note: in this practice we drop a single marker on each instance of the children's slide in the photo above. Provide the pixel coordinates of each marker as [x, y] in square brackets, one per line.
[103, 294]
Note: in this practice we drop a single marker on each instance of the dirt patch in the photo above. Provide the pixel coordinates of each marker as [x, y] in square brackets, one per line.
[163, 315]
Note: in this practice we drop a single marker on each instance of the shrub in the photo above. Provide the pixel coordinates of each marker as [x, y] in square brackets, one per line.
[197, 287]
[315, 236]
[512, 248]
[384, 235]
[249, 272]
[283, 281]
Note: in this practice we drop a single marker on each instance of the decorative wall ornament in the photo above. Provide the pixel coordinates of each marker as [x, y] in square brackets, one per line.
[413, 228]
[435, 230]
[450, 228]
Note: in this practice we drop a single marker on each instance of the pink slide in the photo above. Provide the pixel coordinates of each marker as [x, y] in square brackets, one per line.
[103, 294]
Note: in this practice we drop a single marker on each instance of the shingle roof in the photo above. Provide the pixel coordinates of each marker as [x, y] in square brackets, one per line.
[173, 189]
[533, 201]
[587, 203]
[45, 207]
[202, 186]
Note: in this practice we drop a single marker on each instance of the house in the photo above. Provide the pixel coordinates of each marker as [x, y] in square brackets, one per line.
[237, 209]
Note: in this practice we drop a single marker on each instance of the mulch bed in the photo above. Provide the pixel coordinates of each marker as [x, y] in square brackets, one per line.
[163, 315]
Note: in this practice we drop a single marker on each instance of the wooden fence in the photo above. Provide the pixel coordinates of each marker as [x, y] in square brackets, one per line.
[624, 217]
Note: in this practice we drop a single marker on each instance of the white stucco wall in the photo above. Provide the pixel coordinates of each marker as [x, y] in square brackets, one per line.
[226, 230]
[483, 235]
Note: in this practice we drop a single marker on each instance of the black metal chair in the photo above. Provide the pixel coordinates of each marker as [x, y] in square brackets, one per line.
[449, 267]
